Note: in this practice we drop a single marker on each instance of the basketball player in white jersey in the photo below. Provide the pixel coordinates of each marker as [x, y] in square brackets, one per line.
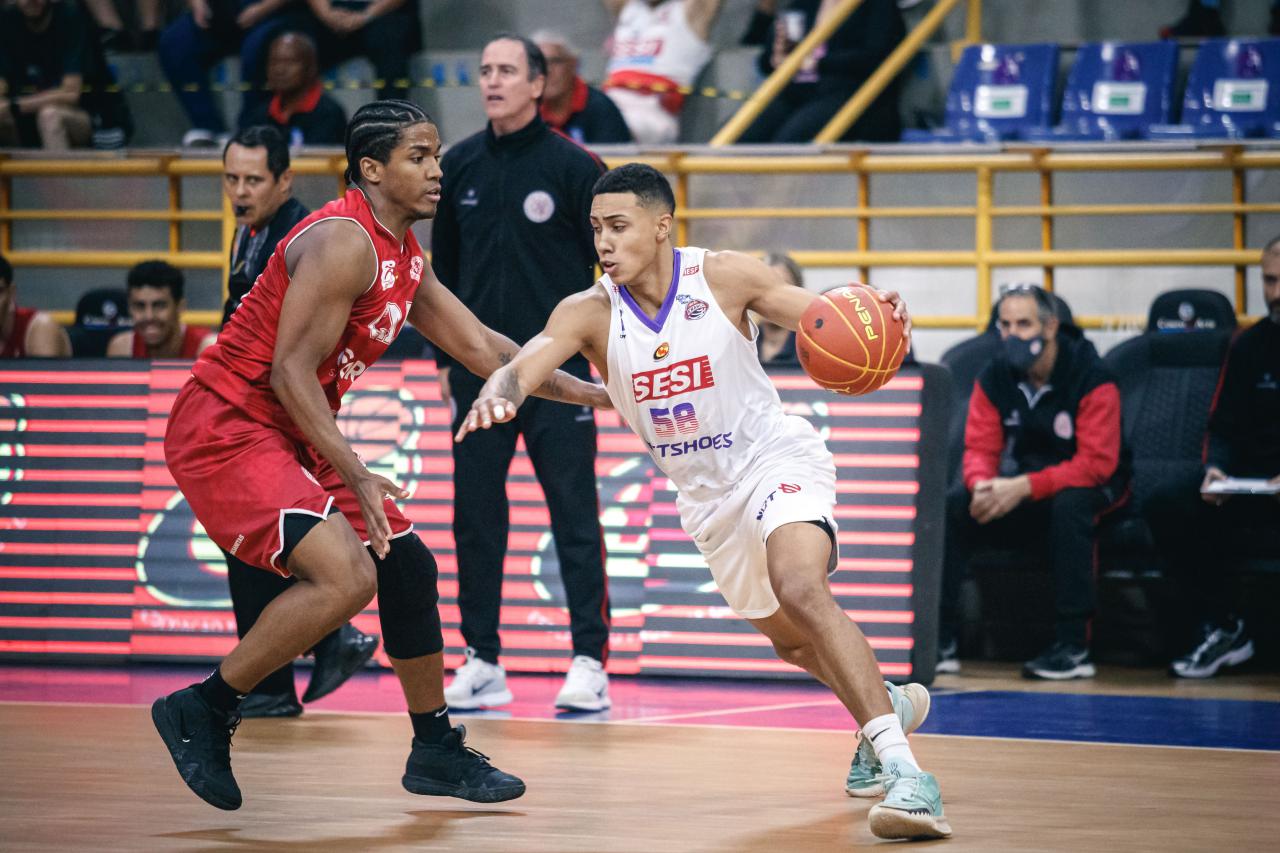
[668, 330]
[658, 48]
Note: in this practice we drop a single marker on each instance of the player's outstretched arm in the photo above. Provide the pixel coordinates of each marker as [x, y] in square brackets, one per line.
[567, 333]
[763, 291]
[330, 266]
[449, 324]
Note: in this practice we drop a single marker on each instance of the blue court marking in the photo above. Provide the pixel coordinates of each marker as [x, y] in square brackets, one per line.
[1150, 720]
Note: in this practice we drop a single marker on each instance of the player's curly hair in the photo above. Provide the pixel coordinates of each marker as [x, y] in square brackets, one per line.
[375, 130]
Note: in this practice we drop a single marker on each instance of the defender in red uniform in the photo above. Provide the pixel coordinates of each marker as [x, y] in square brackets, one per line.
[253, 443]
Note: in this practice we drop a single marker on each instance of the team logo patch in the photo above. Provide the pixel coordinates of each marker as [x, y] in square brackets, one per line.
[415, 268]
[1063, 428]
[693, 270]
[388, 275]
[539, 206]
[694, 309]
[788, 488]
[663, 350]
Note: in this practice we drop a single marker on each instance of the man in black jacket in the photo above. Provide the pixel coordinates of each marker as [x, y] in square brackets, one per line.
[1204, 535]
[512, 238]
[259, 183]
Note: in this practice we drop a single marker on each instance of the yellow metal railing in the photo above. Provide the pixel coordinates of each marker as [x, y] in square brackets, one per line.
[984, 212]
[172, 169]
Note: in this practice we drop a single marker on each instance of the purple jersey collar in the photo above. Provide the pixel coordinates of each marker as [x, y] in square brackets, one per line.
[657, 323]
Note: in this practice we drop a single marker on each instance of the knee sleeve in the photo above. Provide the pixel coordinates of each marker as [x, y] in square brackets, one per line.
[408, 600]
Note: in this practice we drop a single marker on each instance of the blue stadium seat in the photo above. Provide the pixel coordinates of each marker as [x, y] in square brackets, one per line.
[100, 315]
[1233, 91]
[998, 93]
[1115, 90]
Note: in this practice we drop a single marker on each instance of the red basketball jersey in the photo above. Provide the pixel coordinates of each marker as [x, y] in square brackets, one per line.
[192, 337]
[238, 366]
[15, 346]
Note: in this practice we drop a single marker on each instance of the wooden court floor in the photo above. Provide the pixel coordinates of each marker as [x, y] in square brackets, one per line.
[80, 777]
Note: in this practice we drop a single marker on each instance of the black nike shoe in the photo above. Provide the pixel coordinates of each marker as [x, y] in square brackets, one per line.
[259, 705]
[337, 659]
[1059, 662]
[450, 769]
[199, 739]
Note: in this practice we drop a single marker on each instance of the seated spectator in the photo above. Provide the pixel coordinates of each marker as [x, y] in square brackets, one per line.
[583, 113]
[100, 315]
[259, 184]
[1203, 19]
[299, 107]
[657, 48]
[213, 29]
[156, 304]
[1043, 458]
[777, 344]
[48, 59]
[388, 32]
[26, 332]
[111, 31]
[831, 74]
[1204, 538]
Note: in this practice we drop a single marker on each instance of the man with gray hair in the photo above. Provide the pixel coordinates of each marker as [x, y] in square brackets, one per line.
[581, 112]
[1043, 458]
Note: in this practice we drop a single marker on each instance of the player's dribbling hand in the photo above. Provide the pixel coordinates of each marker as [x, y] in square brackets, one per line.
[485, 412]
[371, 490]
[900, 314]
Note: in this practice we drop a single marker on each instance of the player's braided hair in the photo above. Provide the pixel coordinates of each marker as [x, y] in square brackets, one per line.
[375, 130]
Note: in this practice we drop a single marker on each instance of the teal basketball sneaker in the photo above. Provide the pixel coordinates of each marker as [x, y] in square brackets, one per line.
[866, 776]
[912, 806]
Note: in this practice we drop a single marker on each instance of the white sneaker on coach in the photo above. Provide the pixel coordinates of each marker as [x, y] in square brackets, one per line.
[586, 687]
[477, 684]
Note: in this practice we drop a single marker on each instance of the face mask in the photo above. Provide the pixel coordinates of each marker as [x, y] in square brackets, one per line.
[1021, 354]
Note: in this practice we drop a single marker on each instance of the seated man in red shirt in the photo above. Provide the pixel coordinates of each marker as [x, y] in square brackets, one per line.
[156, 304]
[581, 112]
[299, 107]
[26, 331]
[1043, 457]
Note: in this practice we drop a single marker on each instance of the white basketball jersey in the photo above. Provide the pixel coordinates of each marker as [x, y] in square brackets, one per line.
[658, 40]
[691, 386]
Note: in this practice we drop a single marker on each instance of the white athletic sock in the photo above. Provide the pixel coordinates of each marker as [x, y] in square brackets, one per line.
[888, 740]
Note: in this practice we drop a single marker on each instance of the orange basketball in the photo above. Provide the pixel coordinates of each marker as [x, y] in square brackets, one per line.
[849, 341]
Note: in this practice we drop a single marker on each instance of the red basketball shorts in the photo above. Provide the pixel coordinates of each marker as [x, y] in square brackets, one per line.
[243, 478]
